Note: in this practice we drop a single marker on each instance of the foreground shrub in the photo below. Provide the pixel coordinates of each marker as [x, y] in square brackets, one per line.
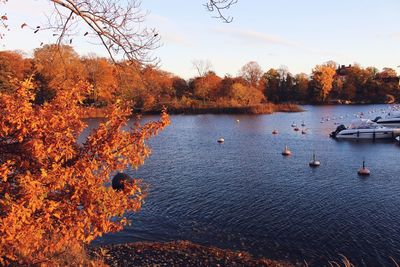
[54, 192]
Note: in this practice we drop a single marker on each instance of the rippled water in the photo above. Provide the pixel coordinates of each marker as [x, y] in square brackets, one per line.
[245, 195]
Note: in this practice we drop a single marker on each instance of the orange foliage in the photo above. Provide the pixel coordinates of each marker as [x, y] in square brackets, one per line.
[54, 192]
[323, 75]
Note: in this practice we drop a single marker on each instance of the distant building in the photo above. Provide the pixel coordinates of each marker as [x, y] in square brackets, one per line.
[342, 71]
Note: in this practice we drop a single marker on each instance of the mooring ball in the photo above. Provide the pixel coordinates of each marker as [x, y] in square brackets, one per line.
[119, 180]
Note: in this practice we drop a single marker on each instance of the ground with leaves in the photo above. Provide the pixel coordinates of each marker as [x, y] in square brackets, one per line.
[177, 253]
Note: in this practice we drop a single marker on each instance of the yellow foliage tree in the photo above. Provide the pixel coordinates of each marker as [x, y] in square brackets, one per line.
[54, 192]
[323, 76]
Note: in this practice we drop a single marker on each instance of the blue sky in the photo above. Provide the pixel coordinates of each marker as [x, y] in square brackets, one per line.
[296, 33]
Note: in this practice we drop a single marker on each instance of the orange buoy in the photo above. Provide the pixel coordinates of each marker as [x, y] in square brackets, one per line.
[286, 151]
[363, 171]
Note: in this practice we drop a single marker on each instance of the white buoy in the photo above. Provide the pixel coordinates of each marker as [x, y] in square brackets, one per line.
[275, 132]
[221, 140]
[363, 171]
[237, 121]
[314, 162]
[286, 152]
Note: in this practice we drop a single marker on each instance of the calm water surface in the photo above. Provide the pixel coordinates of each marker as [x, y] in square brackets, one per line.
[245, 195]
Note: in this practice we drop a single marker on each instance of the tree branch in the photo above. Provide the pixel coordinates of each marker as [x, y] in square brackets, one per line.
[218, 6]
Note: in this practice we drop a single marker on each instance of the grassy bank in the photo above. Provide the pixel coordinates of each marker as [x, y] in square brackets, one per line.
[268, 108]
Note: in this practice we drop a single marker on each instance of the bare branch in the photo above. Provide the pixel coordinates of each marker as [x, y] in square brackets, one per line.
[218, 6]
[117, 26]
[202, 66]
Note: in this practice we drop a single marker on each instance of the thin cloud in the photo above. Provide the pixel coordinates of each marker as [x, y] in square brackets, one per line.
[175, 38]
[168, 30]
[255, 37]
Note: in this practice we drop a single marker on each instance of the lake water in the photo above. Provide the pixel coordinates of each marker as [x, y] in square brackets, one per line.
[245, 195]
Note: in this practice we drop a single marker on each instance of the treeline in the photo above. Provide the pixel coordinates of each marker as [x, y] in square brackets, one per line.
[54, 68]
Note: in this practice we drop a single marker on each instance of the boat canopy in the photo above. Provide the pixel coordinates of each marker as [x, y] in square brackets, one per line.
[393, 114]
[363, 124]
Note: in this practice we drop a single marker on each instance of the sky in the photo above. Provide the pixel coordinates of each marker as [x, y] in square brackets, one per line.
[297, 34]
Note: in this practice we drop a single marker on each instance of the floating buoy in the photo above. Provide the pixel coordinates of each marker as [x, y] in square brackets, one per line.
[363, 171]
[221, 140]
[275, 132]
[119, 181]
[314, 162]
[237, 121]
[286, 151]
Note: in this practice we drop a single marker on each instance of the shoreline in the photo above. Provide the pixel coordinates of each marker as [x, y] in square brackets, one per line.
[270, 108]
[176, 253]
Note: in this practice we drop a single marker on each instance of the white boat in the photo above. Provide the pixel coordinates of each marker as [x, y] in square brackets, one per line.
[365, 129]
[392, 119]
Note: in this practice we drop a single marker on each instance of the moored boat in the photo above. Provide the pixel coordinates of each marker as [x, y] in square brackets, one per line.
[392, 119]
[365, 129]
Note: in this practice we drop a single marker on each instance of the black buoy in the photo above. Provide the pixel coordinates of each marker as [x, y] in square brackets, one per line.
[119, 180]
[363, 171]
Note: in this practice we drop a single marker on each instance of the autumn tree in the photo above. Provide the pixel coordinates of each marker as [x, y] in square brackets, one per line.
[322, 78]
[101, 74]
[56, 68]
[54, 193]
[158, 83]
[245, 95]
[207, 87]
[13, 68]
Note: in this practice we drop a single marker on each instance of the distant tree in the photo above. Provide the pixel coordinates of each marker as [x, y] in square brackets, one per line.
[322, 77]
[101, 74]
[207, 87]
[251, 72]
[272, 82]
[180, 86]
[245, 95]
[387, 73]
[202, 67]
[300, 87]
[57, 68]
[13, 68]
